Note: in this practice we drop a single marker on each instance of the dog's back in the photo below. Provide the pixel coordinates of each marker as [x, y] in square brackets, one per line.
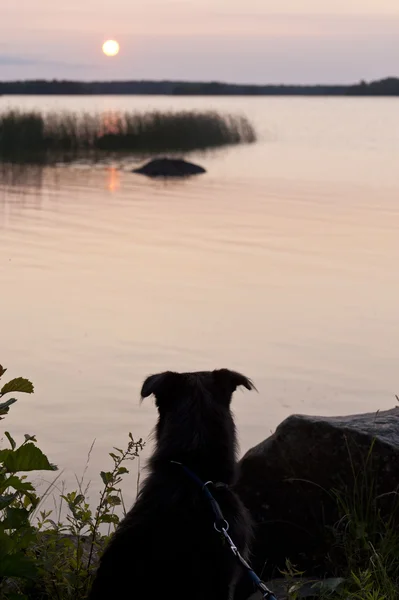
[167, 544]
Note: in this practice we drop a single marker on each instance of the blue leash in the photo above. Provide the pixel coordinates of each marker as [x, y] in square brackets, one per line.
[222, 526]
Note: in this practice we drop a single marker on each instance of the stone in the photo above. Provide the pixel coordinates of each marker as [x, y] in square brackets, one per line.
[169, 167]
[305, 587]
[291, 483]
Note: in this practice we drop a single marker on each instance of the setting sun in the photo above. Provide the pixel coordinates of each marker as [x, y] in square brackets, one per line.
[110, 48]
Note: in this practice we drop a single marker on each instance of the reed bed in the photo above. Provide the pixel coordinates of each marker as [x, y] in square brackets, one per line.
[25, 135]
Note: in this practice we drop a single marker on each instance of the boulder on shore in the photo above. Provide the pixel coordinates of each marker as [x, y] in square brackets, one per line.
[169, 167]
[293, 482]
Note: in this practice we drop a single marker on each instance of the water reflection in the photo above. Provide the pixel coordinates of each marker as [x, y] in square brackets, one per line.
[23, 176]
[111, 174]
[18, 180]
[113, 179]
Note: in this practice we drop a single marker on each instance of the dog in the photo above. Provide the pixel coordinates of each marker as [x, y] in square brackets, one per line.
[167, 545]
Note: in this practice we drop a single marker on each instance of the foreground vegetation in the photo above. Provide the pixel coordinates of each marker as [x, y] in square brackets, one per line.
[42, 556]
[48, 137]
[45, 556]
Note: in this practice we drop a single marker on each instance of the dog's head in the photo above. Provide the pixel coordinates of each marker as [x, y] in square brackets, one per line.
[170, 388]
[195, 424]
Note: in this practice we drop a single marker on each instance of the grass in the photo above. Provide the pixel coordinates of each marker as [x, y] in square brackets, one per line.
[32, 136]
[367, 535]
[364, 556]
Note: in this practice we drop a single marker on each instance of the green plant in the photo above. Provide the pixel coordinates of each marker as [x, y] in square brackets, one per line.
[362, 586]
[67, 553]
[293, 578]
[365, 538]
[366, 535]
[18, 498]
[42, 557]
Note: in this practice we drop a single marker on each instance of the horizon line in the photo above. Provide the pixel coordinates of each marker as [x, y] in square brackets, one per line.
[191, 82]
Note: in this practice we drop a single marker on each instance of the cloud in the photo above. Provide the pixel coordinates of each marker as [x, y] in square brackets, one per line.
[14, 61]
[9, 60]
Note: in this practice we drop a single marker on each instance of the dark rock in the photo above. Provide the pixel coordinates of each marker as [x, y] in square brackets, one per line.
[169, 167]
[290, 483]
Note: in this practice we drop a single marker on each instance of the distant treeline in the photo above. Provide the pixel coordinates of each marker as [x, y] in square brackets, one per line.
[384, 87]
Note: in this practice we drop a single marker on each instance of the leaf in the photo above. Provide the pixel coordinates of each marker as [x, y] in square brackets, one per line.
[7, 500]
[70, 497]
[11, 440]
[122, 471]
[16, 518]
[31, 499]
[114, 500]
[77, 500]
[17, 385]
[30, 438]
[26, 458]
[2, 371]
[7, 544]
[54, 524]
[106, 477]
[5, 406]
[109, 519]
[18, 484]
[17, 565]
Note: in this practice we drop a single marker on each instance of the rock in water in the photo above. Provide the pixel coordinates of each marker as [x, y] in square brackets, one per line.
[169, 167]
[290, 484]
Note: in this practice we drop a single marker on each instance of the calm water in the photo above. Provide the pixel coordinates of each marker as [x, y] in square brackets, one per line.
[281, 262]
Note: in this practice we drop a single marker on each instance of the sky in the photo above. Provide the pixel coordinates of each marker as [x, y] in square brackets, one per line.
[244, 41]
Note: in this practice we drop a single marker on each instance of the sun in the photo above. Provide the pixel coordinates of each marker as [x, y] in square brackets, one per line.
[110, 48]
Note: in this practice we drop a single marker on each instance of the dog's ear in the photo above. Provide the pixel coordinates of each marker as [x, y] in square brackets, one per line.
[231, 380]
[159, 384]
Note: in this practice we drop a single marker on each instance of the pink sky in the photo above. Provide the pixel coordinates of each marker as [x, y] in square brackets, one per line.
[260, 41]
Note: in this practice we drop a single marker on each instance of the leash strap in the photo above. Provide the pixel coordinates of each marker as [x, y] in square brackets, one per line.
[222, 526]
[220, 521]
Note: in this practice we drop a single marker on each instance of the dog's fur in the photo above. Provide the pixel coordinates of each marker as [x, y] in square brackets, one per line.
[167, 547]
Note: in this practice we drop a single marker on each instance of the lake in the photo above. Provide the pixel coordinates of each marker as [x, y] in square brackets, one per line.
[281, 262]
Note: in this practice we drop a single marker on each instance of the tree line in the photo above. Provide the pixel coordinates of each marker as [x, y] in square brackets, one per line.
[384, 87]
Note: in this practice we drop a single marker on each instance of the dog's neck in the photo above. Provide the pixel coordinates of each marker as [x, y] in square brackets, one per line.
[211, 462]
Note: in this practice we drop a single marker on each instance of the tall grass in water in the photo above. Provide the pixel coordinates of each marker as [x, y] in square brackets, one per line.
[30, 135]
